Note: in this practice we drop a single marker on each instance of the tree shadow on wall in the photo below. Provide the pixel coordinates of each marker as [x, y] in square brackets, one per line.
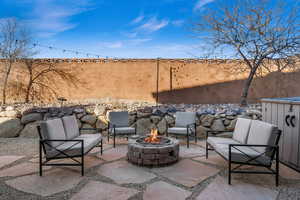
[275, 84]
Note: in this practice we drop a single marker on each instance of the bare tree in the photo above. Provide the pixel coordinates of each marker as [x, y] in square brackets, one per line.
[14, 44]
[44, 78]
[255, 31]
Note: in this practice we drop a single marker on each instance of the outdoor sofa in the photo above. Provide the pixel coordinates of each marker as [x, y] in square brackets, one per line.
[253, 143]
[60, 139]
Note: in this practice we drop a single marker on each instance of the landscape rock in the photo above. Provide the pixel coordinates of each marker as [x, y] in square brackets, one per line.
[201, 131]
[162, 126]
[207, 120]
[231, 125]
[31, 118]
[87, 131]
[155, 119]
[218, 125]
[90, 119]
[9, 113]
[10, 127]
[169, 119]
[30, 130]
[100, 110]
[101, 124]
[144, 126]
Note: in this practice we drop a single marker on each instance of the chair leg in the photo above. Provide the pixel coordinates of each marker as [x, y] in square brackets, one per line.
[195, 137]
[41, 165]
[277, 168]
[188, 141]
[114, 140]
[206, 150]
[229, 167]
[82, 165]
[101, 147]
[108, 137]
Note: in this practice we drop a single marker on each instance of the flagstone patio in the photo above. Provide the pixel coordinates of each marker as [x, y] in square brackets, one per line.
[110, 176]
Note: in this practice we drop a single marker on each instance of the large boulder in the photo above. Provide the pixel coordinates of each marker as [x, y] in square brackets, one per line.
[144, 126]
[231, 125]
[101, 123]
[155, 119]
[91, 131]
[169, 119]
[100, 110]
[30, 130]
[10, 127]
[90, 119]
[162, 126]
[9, 113]
[201, 131]
[218, 125]
[32, 117]
[207, 120]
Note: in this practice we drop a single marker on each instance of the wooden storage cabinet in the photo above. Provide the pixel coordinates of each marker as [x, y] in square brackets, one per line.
[285, 113]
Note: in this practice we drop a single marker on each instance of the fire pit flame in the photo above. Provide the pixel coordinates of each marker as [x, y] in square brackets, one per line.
[153, 137]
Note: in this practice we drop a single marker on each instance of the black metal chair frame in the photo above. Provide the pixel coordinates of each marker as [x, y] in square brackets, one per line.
[188, 127]
[273, 149]
[113, 126]
[42, 149]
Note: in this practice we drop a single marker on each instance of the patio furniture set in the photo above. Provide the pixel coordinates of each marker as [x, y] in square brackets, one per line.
[253, 143]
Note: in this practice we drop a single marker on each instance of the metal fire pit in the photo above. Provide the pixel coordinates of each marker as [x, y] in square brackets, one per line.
[153, 154]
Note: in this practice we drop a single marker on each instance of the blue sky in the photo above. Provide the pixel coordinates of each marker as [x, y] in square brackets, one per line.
[113, 28]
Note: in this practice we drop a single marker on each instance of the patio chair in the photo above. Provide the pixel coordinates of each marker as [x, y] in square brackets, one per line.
[60, 139]
[118, 125]
[253, 143]
[185, 125]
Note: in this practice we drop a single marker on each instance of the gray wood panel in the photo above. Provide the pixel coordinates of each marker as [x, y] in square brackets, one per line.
[264, 111]
[295, 136]
[287, 148]
[268, 112]
[280, 124]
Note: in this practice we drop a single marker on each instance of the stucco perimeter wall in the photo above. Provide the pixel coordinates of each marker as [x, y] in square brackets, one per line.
[180, 81]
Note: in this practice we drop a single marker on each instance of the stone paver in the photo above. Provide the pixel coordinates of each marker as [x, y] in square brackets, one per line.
[22, 169]
[288, 173]
[192, 151]
[115, 153]
[52, 182]
[213, 159]
[187, 172]
[165, 191]
[6, 160]
[219, 189]
[124, 172]
[103, 191]
[89, 162]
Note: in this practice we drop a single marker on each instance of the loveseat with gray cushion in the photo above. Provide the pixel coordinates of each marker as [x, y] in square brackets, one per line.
[60, 138]
[253, 143]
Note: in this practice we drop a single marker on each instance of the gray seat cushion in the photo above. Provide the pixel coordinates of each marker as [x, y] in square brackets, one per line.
[215, 141]
[120, 119]
[180, 130]
[53, 129]
[239, 156]
[122, 130]
[184, 118]
[73, 149]
[241, 130]
[71, 127]
[261, 133]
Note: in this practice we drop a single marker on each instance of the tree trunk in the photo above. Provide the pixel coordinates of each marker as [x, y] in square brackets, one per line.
[246, 88]
[28, 91]
[5, 83]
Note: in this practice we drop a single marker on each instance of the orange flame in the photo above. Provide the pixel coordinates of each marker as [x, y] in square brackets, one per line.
[153, 137]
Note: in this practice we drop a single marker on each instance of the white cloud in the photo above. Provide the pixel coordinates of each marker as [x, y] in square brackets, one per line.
[201, 3]
[153, 24]
[112, 45]
[139, 41]
[138, 19]
[178, 22]
[50, 17]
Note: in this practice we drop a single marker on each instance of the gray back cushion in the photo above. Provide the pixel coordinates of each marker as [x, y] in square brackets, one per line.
[53, 129]
[261, 133]
[120, 119]
[71, 127]
[184, 118]
[241, 130]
